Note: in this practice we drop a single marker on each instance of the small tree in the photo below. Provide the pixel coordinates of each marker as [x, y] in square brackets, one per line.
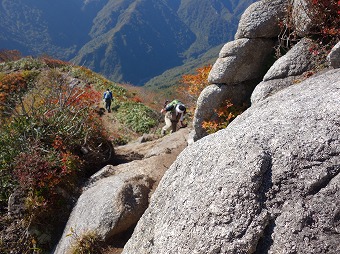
[191, 85]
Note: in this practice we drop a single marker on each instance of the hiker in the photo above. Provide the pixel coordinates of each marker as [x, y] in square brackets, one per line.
[107, 97]
[174, 113]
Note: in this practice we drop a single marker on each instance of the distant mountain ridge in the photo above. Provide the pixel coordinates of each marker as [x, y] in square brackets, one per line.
[126, 40]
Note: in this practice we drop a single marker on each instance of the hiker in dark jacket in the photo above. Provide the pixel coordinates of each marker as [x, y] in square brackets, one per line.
[174, 113]
[107, 97]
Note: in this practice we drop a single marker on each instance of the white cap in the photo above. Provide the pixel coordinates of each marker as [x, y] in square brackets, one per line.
[180, 108]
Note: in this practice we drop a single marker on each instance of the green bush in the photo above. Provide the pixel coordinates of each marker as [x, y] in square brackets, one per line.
[137, 116]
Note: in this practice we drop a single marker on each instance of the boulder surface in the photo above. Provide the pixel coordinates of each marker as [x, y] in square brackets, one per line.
[268, 183]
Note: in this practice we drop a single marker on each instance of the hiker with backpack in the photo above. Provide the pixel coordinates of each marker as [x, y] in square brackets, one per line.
[174, 113]
[107, 97]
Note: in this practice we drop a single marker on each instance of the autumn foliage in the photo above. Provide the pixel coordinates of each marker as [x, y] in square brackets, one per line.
[224, 115]
[192, 86]
[50, 138]
[9, 55]
[325, 17]
[322, 23]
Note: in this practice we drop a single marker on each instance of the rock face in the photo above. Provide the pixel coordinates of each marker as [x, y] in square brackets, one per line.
[295, 62]
[242, 61]
[109, 207]
[260, 19]
[213, 96]
[236, 57]
[268, 183]
[301, 19]
[334, 56]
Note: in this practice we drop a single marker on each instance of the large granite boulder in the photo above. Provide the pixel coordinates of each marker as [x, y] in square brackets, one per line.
[242, 63]
[241, 60]
[267, 88]
[296, 61]
[334, 56]
[115, 197]
[268, 183]
[212, 97]
[261, 19]
[301, 16]
[109, 207]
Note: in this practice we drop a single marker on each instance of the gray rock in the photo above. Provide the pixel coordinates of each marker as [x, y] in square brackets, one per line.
[301, 19]
[334, 56]
[108, 207]
[268, 183]
[191, 137]
[212, 97]
[241, 60]
[146, 138]
[297, 60]
[270, 87]
[261, 19]
[16, 203]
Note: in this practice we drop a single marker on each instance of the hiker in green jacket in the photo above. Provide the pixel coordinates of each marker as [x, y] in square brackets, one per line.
[174, 113]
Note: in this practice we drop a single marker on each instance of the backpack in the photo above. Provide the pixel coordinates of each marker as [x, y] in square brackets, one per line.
[108, 95]
[172, 105]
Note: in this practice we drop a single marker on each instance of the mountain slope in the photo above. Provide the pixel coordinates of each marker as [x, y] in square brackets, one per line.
[38, 27]
[126, 40]
[143, 42]
[142, 39]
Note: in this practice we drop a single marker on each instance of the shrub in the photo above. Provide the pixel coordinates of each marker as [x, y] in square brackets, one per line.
[137, 116]
[11, 85]
[224, 115]
[9, 55]
[86, 243]
[53, 63]
[324, 16]
[41, 143]
[191, 85]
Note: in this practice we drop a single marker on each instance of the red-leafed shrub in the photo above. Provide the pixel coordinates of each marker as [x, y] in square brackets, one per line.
[9, 55]
[52, 62]
[323, 19]
[224, 115]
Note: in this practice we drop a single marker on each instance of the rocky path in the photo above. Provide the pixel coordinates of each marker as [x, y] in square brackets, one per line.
[114, 198]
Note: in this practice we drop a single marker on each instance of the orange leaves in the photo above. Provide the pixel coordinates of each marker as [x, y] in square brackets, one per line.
[325, 16]
[58, 143]
[331, 31]
[12, 82]
[324, 20]
[193, 84]
[83, 97]
[136, 99]
[10, 85]
[226, 113]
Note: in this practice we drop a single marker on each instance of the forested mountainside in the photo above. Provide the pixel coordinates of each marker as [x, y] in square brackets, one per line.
[127, 40]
